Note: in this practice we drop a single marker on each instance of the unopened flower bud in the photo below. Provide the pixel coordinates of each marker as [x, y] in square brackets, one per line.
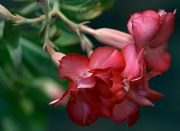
[113, 37]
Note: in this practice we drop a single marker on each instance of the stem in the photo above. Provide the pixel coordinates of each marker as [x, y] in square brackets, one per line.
[18, 19]
[72, 25]
[75, 27]
[47, 21]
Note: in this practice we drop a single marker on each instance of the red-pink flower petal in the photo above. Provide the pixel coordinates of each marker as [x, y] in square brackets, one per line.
[103, 89]
[158, 59]
[103, 74]
[153, 95]
[132, 119]
[132, 68]
[138, 99]
[105, 57]
[117, 82]
[166, 29]
[56, 102]
[83, 107]
[122, 111]
[144, 27]
[74, 66]
[119, 93]
[86, 83]
[105, 107]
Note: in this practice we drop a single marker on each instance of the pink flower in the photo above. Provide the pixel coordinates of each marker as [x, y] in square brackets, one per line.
[151, 30]
[92, 80]
[111, 84]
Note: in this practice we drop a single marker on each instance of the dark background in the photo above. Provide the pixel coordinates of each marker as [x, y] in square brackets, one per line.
[165, 115]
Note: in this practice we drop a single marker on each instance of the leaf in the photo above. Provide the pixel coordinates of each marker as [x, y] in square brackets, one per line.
[37, 59]
[15, 54]
[9, 125]
[33, 47]
[11, 35]
[29, 8]
[67, 38]
[11, 40]
[4, 79]
[1, 28]
[83, 10]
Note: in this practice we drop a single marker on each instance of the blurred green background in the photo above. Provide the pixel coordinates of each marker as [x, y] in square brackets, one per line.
[24, 105]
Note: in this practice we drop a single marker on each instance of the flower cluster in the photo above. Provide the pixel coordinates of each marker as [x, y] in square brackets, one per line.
[113, 82]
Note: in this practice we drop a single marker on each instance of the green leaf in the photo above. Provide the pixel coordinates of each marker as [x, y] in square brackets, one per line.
[29, 8]
[11, 35]
[1, 28]
[83, 10]
[15, 54]
[67, 38]
[4, 79]
[9, 125]
[11, 41]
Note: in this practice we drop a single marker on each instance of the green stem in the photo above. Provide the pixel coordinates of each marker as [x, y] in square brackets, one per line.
[47, 21]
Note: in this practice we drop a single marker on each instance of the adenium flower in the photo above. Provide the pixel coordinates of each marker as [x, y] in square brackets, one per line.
[97, 76]
[111, 84]
[151, 30]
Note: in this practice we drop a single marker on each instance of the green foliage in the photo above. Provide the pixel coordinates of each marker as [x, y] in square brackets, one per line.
[83, 10]
[76, 10]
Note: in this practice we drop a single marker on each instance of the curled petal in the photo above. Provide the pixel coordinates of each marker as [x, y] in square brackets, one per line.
[105, 57]
[150, 93]
[138, 99]
[73, 66]
[64, 96]
[154, 95]
[132, 68]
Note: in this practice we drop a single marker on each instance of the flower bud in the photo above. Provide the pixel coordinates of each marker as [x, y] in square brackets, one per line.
[113, 37]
